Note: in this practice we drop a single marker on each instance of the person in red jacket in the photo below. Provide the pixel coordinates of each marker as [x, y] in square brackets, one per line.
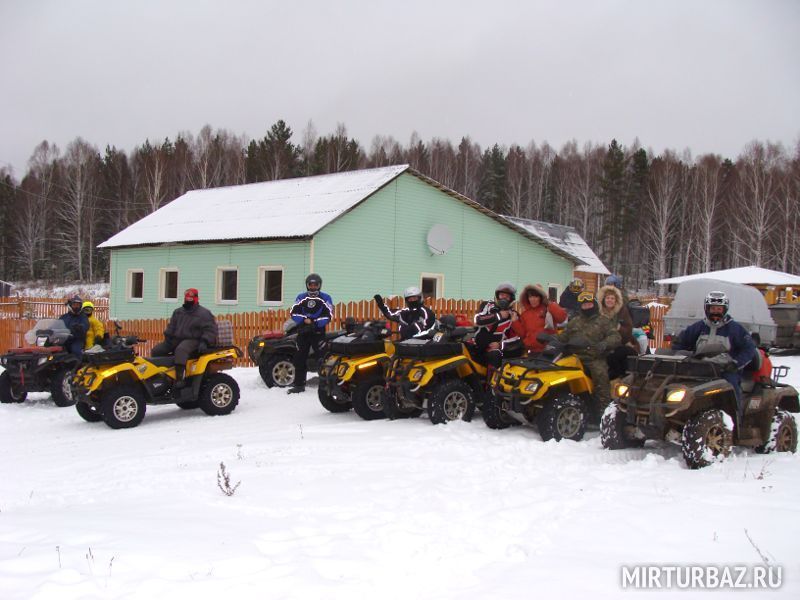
[538, 315]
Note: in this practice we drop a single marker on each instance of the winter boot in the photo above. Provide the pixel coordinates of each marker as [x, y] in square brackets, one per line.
[296, 389]
[180, 381]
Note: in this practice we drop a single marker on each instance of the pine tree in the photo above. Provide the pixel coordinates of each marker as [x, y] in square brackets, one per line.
[492, 189]
[613, 191]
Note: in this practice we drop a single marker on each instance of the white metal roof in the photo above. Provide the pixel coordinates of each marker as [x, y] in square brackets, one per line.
[285, 208]
[567, 239]
[746, 275]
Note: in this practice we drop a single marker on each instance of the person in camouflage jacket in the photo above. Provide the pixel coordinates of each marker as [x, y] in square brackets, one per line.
[594, 336]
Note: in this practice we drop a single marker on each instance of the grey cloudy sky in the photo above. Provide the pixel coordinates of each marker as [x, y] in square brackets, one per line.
[709, 75]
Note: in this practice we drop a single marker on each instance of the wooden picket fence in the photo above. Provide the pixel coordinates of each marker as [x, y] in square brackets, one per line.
[245, 325]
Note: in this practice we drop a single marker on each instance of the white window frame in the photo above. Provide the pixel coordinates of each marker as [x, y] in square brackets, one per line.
[162, 284]
[129, 285]
[439, 277]
[261, 285]
[558, 289]
[220, 271]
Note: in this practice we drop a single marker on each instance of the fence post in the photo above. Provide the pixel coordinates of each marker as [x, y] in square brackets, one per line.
[20, 308]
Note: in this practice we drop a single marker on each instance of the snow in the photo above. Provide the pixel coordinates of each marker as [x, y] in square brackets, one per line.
[746, 275]
[567, 239]
[285, 208]
[39, 289]
[333, 507]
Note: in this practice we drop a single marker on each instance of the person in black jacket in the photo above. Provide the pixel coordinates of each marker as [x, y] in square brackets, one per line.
[414, 318]
[569, 297]
[78, 324]
[192, 329]
[719, 328]
[495, 339]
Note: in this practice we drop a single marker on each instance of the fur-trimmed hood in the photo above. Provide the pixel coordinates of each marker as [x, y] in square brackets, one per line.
[602, 293]
[533, 288]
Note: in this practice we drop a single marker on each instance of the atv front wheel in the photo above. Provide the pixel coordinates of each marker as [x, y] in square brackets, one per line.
[706, 439]
[336, 403]
[368, 398]
[782, 434]
[60, 388]
[277, 370]
[88, 413]
[7, 393]
[219, 395]
[451, 401]
[393, 410]
[123, 406]
[563, 417]
[493, 414]
[612, 430]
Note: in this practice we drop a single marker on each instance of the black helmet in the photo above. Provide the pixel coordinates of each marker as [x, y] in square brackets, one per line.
[75, 300]
[313, 278]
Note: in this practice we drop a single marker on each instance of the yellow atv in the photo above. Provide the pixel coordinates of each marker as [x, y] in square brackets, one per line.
[116, 385]
[352, 372]
[436, 373]
[550, 390]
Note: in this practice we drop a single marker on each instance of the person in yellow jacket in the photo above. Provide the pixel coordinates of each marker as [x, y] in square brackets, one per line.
[96, 333]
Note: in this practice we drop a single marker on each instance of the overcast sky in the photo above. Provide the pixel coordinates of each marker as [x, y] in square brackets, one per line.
[709, 75]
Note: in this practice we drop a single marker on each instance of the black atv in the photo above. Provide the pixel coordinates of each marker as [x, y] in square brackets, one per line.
[274, 352]
[46, 366]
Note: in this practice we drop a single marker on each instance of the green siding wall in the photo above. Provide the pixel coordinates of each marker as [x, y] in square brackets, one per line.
[197, 266]
[378, 247]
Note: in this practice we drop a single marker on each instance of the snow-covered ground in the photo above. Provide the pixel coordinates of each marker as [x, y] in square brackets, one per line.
[330, 506]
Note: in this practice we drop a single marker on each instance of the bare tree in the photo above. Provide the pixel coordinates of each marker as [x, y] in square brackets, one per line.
[658, 229]
[80, 178]
[705, 202]
[756, 195]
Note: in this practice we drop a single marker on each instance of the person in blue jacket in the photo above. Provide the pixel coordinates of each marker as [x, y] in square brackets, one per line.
[312, 311]
[719, 328]
[78, 324]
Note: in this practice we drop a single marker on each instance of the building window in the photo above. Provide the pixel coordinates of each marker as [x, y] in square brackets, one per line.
[270, 286]
[553, 291]
[227, 285]
[135, 291]
[168, 287]
[432, 285]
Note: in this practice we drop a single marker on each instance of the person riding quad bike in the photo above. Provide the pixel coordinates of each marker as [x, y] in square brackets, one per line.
[593, 336]
[569, 297]
[414, 318]
[191, 329]
[495, 338]
[78, 324]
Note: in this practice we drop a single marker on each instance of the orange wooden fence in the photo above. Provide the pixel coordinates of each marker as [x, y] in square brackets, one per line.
[245, 325]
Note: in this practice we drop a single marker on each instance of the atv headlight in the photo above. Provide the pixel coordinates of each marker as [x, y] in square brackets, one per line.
[533, 386]
[260, 344]
[416, 375]
[676, 395]
[621, 390]
[41, 361]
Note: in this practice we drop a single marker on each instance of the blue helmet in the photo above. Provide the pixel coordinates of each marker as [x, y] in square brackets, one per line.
[614, 280]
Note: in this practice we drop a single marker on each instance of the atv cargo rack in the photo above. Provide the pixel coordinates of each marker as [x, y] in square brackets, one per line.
[665, 364]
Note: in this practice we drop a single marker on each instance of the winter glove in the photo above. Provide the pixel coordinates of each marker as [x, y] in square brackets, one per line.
[202, 347]
[379, 299]
[579, 342]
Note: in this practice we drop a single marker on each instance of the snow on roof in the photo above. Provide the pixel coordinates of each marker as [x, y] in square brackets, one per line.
[286, 208]
[746, 275]
[567, 239]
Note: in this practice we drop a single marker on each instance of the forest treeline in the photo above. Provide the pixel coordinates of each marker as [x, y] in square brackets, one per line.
[647, 216]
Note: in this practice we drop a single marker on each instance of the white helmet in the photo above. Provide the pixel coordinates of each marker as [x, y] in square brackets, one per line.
[412, 291]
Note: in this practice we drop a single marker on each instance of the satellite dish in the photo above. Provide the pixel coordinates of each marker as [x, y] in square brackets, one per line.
[440, 240]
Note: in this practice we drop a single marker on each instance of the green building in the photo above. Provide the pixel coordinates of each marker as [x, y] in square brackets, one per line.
[250, 247]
